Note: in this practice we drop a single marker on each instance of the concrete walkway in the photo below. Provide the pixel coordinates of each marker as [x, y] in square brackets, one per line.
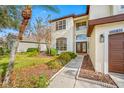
[66, 78]
[118, 78]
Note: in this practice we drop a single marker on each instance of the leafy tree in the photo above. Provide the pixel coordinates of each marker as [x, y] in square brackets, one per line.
[11, 23]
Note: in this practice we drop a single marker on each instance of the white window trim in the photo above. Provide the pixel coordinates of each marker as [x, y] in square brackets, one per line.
[61, 25]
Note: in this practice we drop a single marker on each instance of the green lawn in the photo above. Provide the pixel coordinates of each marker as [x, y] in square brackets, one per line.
[22, 61]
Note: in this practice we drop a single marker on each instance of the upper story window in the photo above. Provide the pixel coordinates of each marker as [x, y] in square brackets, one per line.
[60, 25]
[80, 26]
[122, 7]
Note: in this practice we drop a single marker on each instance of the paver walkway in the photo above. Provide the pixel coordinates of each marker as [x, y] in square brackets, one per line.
[66, 78]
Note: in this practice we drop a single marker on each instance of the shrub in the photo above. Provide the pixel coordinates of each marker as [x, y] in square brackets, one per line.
[43, 81]
[6, 50]
[31, 54]
[54, 64]
[1, 51]
[73, 55]
[64, 57]
[32, 49]
[53, 51]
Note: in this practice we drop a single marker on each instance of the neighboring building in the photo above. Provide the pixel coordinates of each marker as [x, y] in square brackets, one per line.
[106, 37]
[69, 33]
[105, 42]
[27, 42]
[30, 42]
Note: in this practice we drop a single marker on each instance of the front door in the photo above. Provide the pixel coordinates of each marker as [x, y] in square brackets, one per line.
[81, 47]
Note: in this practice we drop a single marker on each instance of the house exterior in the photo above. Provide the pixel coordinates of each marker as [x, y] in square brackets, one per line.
[69, 33]
[106, 38]
[99, 32]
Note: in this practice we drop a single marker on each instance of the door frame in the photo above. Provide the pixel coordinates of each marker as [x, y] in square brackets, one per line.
[81, 45]
[106, 51]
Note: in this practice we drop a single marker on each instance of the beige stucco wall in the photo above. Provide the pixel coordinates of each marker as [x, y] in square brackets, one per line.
[23, 46]
[68, 33]
[96, 49]
[91, 47]
[99, 11]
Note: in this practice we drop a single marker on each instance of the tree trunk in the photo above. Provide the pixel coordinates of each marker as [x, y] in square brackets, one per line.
[48, 47]
[39, 47]
[14, 46]
[26, 14]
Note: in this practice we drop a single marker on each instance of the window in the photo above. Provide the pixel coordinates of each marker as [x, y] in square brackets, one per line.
[80, 26]
[61, 25]
[122, 6]
[61, 44]
[81, 37]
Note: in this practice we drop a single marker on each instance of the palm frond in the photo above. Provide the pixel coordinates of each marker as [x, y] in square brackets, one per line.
[52, 8]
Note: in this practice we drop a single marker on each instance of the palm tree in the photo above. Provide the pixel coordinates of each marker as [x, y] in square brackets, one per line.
[26, 14]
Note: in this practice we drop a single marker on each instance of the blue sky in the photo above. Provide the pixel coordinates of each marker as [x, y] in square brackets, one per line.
[64, 10]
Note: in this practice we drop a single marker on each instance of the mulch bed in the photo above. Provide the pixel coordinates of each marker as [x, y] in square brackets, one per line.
[23, 77]
[87, 71]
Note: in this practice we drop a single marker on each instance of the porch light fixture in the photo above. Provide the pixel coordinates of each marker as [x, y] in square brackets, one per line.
[101, 38]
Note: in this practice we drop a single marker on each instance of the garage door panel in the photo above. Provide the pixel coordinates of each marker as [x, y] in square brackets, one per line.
[117, 44]
[120, 62]
[115, 36]
[116, 68]
[116, 53]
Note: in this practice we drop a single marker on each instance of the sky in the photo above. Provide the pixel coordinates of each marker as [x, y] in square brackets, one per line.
[63, 11]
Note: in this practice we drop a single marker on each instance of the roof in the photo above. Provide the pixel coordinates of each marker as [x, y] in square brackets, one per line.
[72, 15]
[105, 20]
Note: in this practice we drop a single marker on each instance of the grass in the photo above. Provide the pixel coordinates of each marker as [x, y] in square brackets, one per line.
[23, 61]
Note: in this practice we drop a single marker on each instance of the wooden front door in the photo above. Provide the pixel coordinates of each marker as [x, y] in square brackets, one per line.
[81, 47]
[116, 53]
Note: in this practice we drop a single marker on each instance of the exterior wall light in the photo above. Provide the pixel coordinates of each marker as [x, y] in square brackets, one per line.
[101, 38]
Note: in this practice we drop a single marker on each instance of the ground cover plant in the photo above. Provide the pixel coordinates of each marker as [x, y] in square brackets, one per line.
[33, 71]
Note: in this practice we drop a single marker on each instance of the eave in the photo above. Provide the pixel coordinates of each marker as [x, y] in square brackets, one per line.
[105, 20]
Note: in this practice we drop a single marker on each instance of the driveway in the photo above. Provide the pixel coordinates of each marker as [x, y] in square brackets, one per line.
[66, 78]
[118, 79]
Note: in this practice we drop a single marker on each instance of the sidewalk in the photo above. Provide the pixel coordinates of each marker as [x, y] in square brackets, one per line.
[66, 78]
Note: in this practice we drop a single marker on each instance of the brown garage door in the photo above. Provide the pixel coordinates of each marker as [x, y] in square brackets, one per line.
[116, 53]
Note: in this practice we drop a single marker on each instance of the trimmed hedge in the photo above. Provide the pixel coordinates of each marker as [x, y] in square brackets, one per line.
[4, 51]
[31, 54]
[72, 54]
[32, 49]
[1, 51]
[65, 56]
[53, 51]
[54, 64]
[61, 60]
